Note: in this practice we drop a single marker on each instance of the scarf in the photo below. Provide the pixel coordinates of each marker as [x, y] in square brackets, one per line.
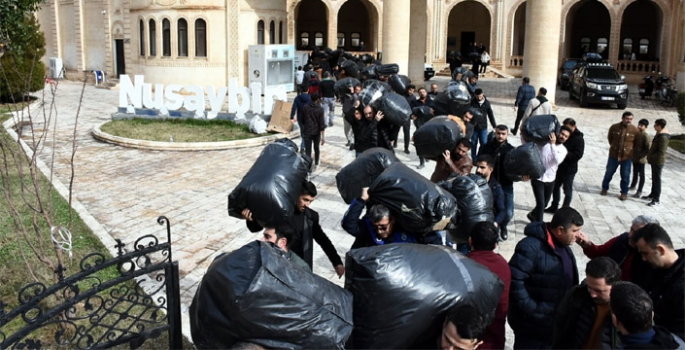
[541, 98]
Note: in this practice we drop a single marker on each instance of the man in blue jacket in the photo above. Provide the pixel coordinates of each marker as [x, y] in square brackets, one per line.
[301, 101]
[543, 269]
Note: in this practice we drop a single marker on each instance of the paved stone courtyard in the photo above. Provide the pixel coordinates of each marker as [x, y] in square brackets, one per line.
[125, 190]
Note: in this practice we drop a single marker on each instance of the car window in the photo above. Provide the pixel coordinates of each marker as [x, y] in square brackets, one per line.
[603, 74]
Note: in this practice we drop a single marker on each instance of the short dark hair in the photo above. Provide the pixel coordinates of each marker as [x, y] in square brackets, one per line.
[564, 127]
[653, 234]
[604, 267]
[660, 122]
[632, 306]
[566, 217]
[488, 159]
[464, 141]
[569, 121]
[478, 91]
[411, 86]
[644, 122]
[526, 80]
[626, 113]
[315, 96]
[285, 231]
[377, 212]
[422, 88]
[470, 323]
[484, 235]
[543, 91]
[326, 74]
[308, 188]
[502, 127]
[469, 112]
[357, 85]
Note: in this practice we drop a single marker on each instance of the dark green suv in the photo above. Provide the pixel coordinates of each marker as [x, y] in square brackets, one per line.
[598, 83]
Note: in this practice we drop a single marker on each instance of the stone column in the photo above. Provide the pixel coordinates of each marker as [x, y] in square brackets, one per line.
[541, 56]
[417, 41]
[332, 40]
[396, 19]
[79, 32]
[438, 38]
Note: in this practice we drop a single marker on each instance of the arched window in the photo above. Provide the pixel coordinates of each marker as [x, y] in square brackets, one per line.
[141, 24]
[280, 32]
[356, 39]
[166, 37]
[644, 46]
[318, 39]
[183, 37]
[304, 40]
[627, 46]
[272, 32]
[602, 44]
[200, 38]
[153, 38]
[585, 45]
[341, 40]
[260, 32]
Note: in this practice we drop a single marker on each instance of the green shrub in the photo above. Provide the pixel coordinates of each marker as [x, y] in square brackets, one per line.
[680, 105]
[21, 68]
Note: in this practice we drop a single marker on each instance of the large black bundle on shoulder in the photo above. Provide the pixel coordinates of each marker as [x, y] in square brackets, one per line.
[366, 58]
[363, 171]
[436, 136]
[399, 83]
[474, 198]
[343, 86]
[537, 128]
[387, 69]
[368, 73]
[402, 293]
[255, 294]
[417, 203]
[395, 108]
[461, 72]
[524, 160]
[372, 91]
[423, 114]
[351, 68]
[454, 100]
[273, 184]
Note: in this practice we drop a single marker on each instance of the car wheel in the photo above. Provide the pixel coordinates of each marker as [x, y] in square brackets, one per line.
[570, 93]
[622, 105]
[583, 99]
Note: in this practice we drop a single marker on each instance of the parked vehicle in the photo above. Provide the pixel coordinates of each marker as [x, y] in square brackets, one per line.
[598, 83]
[565, 72]
[667, 93]
[647, 87]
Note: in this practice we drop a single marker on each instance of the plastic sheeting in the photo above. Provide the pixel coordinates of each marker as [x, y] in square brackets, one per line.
[417, 203]
[363, 171]
[402, 293]
[537, 128]
[395, 108]
[524, 160]
[399, 83]
[343, 86]
[255, 294]
[273, 184]
[454, 100]
[436, 136]
[387, 69]
[474, 198]
[372, 91]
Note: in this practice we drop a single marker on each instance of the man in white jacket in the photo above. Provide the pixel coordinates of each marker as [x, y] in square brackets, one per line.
[552, 154]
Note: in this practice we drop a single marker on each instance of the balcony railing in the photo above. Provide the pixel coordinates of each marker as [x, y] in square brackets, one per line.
[627, 66]
[516, 61]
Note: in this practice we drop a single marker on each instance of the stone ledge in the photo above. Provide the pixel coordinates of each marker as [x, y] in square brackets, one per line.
[188, 146]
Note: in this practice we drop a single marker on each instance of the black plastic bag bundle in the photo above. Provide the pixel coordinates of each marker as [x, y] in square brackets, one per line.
[474, 198]
[363, 171]
[273, 184]
[423, 115]
[372, 91]
[524, 160]
[342, 87]
[454, 100]
[436, 136]
[399, 83]
[537, 128]
[255, 294]
[369, 72]
[387, 69]
[403, 292]
[351, 68]
[417, 203]
[461, 73]
[366, 58]
[395, 108]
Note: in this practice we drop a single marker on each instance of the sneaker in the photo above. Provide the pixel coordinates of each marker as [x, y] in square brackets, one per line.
[649, 197]
[348, 144]
[420, 166]
[503, 234]
[604, 192]
[551, 210]
[653, 203]
[330, 124]
[406, 151]
[637, 194]
[513, 131]
[352, 147]
[623, 196]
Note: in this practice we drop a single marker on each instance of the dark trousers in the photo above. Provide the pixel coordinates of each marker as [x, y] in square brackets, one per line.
[564, 180]
[638, 176]
[526, 342]
[542, 192]
[405, 130]
[316, 140]
[519, 115]
[656, 182]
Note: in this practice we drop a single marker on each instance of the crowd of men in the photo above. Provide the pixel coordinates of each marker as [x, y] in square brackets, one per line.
[634, 293]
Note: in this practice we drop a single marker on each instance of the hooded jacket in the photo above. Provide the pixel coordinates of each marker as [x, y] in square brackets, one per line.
[657, 153]
[576, 149]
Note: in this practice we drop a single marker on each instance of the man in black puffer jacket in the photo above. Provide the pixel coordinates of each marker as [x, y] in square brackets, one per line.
[583, 320]
[543, 270]
[575, 145]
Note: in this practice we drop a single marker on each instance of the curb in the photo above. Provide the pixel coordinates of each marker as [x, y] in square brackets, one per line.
[100, 135]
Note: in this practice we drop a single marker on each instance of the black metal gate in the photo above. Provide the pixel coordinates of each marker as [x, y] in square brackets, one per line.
[140, 303]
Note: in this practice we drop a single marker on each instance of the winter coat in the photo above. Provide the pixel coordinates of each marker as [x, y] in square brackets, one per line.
[313, 121]
[576, 317]
[576, 148]
[667, 290]
[525, 93]
[365, 131]
[642, 145]
[627, 257]
[498, 151]
[537, 282]
[662, 339]
[657, 153]
[299, 103]
[481, 123]
[622, 141]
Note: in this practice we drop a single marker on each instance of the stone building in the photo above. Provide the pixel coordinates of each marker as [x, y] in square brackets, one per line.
[205, 42]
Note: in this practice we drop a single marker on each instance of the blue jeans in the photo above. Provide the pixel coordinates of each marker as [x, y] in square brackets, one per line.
[328, 104]
[478, 135]
[299, 124]
[612, 165]
[446, 237]
[508, 204]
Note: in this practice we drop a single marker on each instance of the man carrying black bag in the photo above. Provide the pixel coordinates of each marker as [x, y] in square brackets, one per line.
[305, 222]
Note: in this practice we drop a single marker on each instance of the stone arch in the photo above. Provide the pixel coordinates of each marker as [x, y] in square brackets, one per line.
[511, 28]
[459, 46]
[118, 28]
[659, 35]
[292, 7]
[368, 30]
[601, 28]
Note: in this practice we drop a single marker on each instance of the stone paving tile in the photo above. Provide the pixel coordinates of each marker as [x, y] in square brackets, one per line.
[126, 189]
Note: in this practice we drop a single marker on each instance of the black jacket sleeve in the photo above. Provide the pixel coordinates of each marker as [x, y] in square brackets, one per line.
[351, 222]
[575, 150]
[491, 115]
[324, 242]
